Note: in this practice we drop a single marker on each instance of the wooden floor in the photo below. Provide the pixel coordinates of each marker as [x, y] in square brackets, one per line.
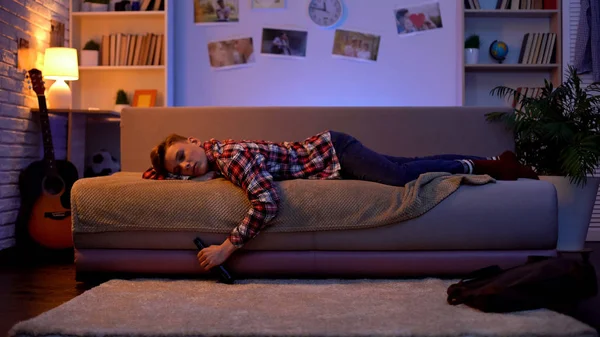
[32, 285]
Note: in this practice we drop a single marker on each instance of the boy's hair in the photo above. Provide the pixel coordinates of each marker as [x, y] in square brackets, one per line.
[400, 14]
[157, 155]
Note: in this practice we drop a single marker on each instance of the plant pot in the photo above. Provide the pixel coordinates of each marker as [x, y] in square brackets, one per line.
[119, 107]
[575, 205]
[471, 55]
[89, 58]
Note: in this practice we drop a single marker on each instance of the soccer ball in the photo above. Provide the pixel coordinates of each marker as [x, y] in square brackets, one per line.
[103, 164]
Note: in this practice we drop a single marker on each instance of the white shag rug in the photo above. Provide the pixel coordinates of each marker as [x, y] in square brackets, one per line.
[152, 308]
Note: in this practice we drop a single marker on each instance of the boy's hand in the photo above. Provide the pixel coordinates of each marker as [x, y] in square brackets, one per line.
[215, 255]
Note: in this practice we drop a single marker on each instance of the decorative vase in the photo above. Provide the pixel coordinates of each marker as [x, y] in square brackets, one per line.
[120, 107]
[89, 58]
[471, 55]
[575, 206]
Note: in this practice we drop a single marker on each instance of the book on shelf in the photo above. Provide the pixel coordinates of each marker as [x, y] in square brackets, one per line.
[121, 49]
[472, 4]
[515, 4]
[538, 48]
[152, 5]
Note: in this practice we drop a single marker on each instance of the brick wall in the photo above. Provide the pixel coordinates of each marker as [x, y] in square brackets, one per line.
[20, 139]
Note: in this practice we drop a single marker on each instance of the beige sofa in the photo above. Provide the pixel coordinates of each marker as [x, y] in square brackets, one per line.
[123, 225]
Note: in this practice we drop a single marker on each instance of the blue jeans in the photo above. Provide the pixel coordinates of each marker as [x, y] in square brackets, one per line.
[361, 163]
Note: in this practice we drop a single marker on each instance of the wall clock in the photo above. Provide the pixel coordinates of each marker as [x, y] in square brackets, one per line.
[326, 13]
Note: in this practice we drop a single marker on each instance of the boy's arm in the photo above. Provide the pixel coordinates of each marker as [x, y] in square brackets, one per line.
[254, 179]
[247, 171]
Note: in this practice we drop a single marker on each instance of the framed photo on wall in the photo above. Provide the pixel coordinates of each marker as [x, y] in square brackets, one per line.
[419, 18]
[231, 53]
[267, 4]
[144, 98]
[355, 45]
[216, 11]
[282, 42]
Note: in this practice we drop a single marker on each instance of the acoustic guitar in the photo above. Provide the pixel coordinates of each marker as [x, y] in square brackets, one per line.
[45, 185]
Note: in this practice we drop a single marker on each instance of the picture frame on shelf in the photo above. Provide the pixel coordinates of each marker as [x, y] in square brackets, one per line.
[144, 98]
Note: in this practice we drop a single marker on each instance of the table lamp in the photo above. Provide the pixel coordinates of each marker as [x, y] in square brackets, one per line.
[60, 64]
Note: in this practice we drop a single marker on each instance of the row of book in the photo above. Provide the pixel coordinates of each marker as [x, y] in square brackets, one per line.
[533, 92]
[538, 48]
[121, 49]
[472, 4]
[152, 5]
[515, 4]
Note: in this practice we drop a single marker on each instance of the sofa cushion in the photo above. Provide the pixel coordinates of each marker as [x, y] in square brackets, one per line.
[501, 215]
[125, 202]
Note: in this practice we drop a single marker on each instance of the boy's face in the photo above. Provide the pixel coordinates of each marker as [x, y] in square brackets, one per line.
[186, 158]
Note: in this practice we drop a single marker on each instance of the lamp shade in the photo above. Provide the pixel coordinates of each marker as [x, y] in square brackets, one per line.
[60, 63]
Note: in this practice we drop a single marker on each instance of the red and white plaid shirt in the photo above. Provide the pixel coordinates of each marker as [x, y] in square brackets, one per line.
[255, 165]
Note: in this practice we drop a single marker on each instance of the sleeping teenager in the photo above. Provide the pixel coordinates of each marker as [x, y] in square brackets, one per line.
[254, 165]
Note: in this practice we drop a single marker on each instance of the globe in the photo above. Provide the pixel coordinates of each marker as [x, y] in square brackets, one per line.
[498, 50]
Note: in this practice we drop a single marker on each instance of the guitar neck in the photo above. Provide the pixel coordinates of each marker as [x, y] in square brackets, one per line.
[46, 135]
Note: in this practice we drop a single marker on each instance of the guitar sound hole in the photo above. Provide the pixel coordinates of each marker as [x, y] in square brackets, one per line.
[53, 185]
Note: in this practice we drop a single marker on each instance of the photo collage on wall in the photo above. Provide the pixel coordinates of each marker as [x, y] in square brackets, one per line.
[411, 20]
[240, 51]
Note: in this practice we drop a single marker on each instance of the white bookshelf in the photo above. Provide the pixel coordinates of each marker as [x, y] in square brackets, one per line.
[509, 26]
[98, 85]
[508, 13]
[105, 68]
[510, 67]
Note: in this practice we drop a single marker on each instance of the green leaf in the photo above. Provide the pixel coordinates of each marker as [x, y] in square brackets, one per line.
[557, 133]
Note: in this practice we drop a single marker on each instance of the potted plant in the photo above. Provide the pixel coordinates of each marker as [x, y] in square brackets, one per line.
[94, 5]
[472, 44]
[122, 101]
[558, 135]
[90, 55]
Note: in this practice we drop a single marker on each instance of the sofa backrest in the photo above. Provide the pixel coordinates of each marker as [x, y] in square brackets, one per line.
[400, 131]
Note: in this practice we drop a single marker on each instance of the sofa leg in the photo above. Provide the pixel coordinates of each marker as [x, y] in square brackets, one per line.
[584, 253]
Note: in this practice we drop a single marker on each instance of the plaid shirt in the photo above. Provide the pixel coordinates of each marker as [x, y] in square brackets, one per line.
[255, 165]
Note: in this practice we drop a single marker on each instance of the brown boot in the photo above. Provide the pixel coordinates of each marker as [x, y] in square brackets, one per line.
[527, 172]
[509, 156]
[522, 171]
[498, 169]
